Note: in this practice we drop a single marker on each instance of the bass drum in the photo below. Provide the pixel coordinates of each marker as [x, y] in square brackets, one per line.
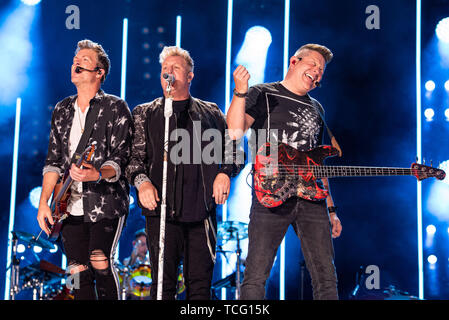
[140, 281]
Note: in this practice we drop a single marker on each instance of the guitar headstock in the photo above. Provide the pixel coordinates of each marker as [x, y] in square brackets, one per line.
[86, 156]
[89, 152]
[422, 172]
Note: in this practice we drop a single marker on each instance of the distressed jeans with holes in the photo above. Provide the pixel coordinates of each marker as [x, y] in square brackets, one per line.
[267, 228]
[87, 243]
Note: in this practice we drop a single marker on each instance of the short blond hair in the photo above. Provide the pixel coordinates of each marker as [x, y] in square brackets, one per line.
[176, 51]
[103, 61]
[324, 51]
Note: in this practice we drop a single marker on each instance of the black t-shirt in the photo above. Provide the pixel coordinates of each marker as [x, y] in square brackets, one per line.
[296, 118]
[189, 198]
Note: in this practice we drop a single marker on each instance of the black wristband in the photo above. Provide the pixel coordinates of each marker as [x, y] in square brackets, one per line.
[240, 95]
[332, 209]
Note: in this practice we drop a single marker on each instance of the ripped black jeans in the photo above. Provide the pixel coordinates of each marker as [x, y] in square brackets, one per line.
[90, 249]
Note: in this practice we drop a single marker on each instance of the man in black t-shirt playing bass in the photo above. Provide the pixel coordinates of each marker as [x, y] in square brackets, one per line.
[287, 108]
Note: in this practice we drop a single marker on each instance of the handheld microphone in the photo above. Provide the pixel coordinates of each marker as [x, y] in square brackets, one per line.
[79, 69]
[170, 78]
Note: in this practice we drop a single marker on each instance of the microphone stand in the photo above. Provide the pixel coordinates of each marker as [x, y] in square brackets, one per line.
[168, 111]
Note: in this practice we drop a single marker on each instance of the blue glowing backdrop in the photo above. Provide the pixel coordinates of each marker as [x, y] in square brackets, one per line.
[368, 92]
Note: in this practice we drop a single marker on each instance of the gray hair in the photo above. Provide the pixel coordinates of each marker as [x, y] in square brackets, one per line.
[176, 51]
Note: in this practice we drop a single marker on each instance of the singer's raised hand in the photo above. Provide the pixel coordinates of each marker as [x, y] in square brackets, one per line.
[241, 78]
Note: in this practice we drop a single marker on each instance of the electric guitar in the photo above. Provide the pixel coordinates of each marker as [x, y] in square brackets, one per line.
[294, 173]
[59, 203]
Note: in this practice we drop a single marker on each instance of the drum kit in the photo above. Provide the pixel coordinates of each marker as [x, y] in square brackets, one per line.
[135, 281]
[232, 231]
[45, 279]
[42, 277]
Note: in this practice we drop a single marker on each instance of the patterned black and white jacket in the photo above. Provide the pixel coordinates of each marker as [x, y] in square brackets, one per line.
[112, 133]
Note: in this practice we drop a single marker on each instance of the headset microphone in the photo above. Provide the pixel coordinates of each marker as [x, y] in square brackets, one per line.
[79, 69]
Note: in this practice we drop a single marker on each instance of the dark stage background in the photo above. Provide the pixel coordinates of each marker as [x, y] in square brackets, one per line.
[368, 91]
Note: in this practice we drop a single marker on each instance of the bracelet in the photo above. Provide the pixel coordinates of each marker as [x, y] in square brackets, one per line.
[240, 95]
[332, 209]
[99, 177]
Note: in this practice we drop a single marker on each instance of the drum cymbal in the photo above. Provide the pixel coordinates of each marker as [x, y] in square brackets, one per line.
[31, 240]
[228, 230]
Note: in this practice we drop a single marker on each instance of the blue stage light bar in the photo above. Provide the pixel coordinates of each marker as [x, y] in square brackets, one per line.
[419, 150]
[178, 31]
[227, 95]
[285, 68]
[12, 203]
[124, 58]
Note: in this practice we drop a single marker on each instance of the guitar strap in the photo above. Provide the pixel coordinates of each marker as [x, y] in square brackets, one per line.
[91, 118]
[329, 132]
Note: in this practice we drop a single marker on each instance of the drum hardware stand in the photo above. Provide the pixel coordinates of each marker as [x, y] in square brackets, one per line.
[15, 269]
[38, 289]
[168, 111]
[237, 273]
[358, 281]
[125, 283]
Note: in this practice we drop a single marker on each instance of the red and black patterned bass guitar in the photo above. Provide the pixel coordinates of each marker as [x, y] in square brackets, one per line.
[295, 173]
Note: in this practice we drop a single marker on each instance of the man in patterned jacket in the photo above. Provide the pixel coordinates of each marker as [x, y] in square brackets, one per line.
[194, 186]
[99, 201]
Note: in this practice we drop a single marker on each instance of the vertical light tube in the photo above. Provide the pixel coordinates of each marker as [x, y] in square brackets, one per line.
[124, 58]
[419, 150]
[123, 85]
[227, 102]
[285, 68]
[286, 36]
[228, 55]
[178, 31]
[12, 201]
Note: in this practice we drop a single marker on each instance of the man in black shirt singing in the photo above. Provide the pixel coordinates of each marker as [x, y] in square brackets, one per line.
[197, 177]
[287, 108]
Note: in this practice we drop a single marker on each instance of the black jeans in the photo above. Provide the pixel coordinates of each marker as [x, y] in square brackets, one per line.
[187, 241]
[267, 228]
[80, 241]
